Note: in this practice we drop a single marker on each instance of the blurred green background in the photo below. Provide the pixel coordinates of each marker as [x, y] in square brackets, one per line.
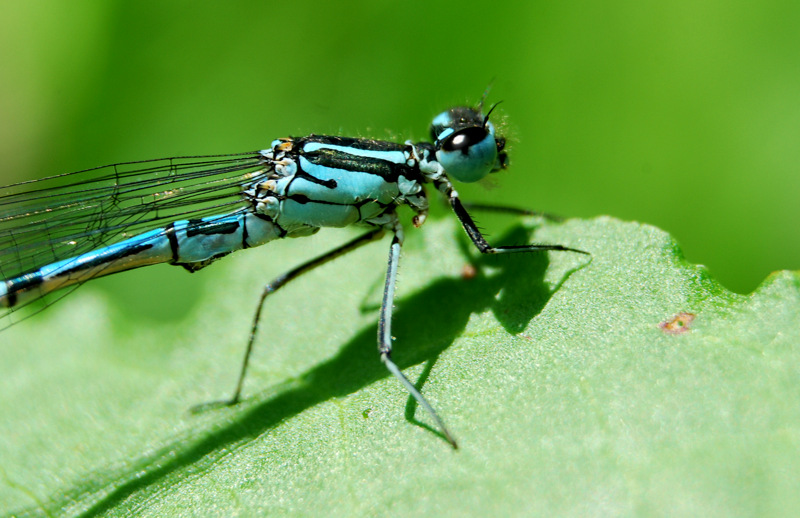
[685, 114]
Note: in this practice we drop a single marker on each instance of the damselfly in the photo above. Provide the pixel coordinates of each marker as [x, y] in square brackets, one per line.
[59, 232]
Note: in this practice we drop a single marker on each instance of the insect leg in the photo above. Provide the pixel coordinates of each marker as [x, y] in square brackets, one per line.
[282, 280]
[385, 333]
[507, 209]
[478, 239]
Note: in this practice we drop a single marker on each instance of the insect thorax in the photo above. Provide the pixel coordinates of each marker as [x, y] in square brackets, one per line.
[323, 181]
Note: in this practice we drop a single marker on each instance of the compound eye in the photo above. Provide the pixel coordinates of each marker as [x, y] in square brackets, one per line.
[466, 146]
[464, 139]
[468, 154]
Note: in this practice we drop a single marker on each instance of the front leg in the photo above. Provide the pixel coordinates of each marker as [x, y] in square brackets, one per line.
[475, 235]
[507, 209]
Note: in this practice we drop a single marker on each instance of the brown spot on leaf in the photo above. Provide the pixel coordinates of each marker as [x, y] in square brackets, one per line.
[680, 323]
[469, 271]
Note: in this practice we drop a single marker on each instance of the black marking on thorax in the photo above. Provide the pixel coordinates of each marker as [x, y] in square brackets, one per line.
[330, 184]
[389, 171]
[355, 143]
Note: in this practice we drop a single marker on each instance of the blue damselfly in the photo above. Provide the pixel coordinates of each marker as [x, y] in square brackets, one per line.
[59, 232]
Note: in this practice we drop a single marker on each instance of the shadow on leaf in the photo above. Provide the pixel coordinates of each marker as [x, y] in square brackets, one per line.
[425, 324]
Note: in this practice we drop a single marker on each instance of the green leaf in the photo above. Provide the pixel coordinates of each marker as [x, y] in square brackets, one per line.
[565, 393]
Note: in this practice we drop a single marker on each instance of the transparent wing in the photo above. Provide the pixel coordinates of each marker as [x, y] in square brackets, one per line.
[58, 217]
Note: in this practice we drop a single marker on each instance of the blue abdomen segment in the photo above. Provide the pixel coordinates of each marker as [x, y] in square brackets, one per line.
[192, 244]
[198, 241]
